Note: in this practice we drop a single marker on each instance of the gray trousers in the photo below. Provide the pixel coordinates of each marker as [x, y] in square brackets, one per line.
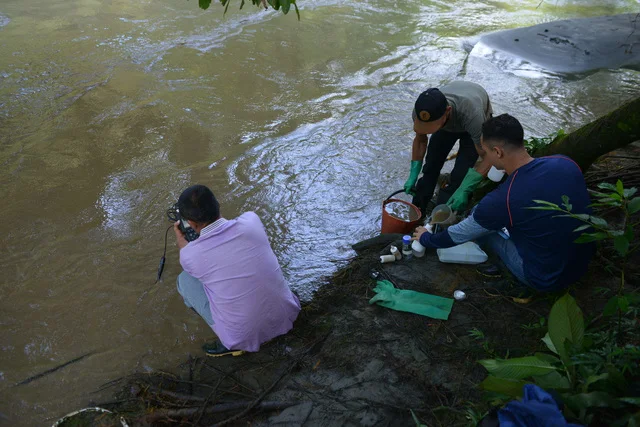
[192, 292]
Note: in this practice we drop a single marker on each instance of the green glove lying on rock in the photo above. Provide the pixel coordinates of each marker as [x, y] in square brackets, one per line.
[416, 165]
[460, 199]
[411, 301]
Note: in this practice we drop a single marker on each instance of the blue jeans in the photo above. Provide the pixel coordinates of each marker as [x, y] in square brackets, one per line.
[192, 291]
[508, 253]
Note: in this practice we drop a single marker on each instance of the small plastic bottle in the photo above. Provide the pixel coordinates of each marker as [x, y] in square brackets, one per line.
[407, 253]
[387, 258]
[418, 249]
[396, 253]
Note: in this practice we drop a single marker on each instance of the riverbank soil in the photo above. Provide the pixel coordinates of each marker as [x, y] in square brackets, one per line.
[351, 363]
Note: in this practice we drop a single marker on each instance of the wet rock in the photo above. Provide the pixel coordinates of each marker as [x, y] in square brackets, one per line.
[570, 46]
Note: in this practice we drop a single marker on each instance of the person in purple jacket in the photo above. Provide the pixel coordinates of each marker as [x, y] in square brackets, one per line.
[539, 248]
[231, 276]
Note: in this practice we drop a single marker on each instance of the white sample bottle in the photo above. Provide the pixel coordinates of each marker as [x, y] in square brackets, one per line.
[387, 258]
[396, 253]
[407, 253]
[417, 249]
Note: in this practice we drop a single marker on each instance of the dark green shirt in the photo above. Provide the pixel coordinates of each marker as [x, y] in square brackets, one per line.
[470, 108]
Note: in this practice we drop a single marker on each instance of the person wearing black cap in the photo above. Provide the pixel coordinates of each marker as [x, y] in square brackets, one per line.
[453, 112]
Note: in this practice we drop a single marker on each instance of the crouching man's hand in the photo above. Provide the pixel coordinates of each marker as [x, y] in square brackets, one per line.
[418, 233]
[181, 242]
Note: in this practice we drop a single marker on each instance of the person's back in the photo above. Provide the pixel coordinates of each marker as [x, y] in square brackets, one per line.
[545, 239]
[250, 300]
[540, 251]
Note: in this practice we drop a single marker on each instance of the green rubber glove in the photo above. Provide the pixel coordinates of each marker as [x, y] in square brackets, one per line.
[459, 200]
[411, 301]
[416, 165]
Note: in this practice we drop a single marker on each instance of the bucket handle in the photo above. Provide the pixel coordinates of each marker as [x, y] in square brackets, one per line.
[394, 193]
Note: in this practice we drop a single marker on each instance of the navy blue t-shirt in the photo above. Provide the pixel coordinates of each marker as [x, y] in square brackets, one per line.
[544, 240]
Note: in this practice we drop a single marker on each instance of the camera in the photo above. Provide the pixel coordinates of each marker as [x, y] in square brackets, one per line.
[173, 214]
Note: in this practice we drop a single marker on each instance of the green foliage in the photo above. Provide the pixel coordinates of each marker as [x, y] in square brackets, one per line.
[566, 324]
[534, 325]
[532, 144]
[596, 229]
[518, 368]
[478, 335]
[416, 420]
[593, 374]
[284, 5]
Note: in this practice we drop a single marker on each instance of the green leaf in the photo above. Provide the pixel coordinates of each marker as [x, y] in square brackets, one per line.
[623, 304]
[566, 323]
[296, 7]
[622, 245]
[634, 206]
[582, 228]
[598, 221]
[591, 237]
[517, 369]
[611, 307]
[416, 420]
[565, 203]
[286, 5]
[629, 233]
[543, 208]
[544, 202]
[582, 217]
[552, 380]
[632, 400]
[204, 4]
[620, 188]
[547, 358]
[594, 379]
[628, 192]
[596, 399]
[511, 388]
[634, 420]
[549, 343]
[607, 186]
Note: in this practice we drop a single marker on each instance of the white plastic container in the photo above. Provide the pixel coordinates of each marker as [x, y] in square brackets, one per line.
[396, 253]
[495, 175]
[387, 258]
[417, 249]
[466, 253]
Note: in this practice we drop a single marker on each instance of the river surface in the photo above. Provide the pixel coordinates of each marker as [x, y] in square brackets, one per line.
[109, 108]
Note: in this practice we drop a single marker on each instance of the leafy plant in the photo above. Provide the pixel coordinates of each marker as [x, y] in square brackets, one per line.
[589, 371]
[534, 325]
[284, 5]
[478, 335]
[535, 143]
[597, 229]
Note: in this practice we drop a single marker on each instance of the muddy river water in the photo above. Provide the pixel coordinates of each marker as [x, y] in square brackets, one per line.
[109, 108]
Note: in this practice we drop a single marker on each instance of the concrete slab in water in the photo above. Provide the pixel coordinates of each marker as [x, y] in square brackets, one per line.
[573, 45]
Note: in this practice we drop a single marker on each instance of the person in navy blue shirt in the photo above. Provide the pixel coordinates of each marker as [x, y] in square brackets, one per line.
[540, 252]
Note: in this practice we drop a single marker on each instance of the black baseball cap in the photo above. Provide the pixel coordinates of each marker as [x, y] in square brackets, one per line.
[430, 105]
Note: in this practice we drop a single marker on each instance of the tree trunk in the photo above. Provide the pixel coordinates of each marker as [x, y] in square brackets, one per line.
[605, 134]
[584, 145]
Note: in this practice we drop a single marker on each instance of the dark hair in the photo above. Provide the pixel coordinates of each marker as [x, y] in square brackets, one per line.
[197, 203]
[503, 128]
